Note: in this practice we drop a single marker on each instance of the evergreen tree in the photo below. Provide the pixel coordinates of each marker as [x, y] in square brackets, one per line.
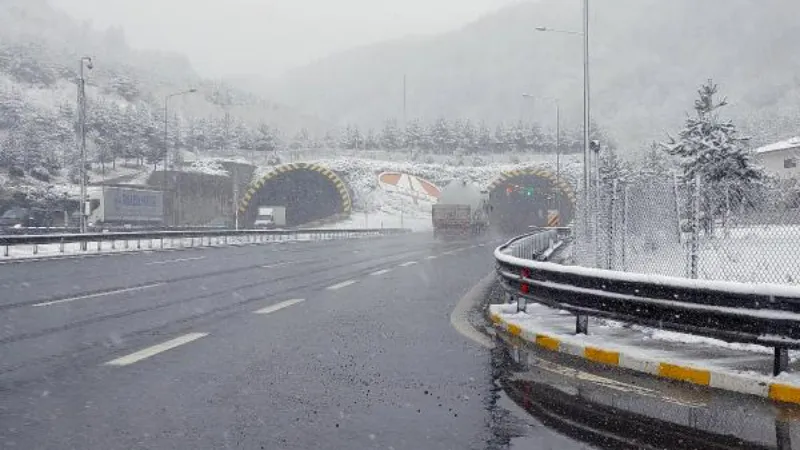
[266, 139]
[484, 139]
[441, 137]
[390, 138]
[413, 134]
[371, 141]
[709, 149]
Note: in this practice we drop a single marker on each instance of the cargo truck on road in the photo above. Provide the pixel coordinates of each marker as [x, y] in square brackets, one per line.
[462, 211]
[270, 217]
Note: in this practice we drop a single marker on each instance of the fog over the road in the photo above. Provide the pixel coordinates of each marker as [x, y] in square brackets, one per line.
[220, 36]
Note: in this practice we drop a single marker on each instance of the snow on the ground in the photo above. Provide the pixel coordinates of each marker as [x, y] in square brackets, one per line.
[380, 206]
[647, 343]
[120, 245]
[752, 254]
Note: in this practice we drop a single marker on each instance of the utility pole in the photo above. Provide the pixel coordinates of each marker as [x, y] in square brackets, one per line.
[84, 61]
[405, 118]
[586, 123]
[176, 200]
[558, 158]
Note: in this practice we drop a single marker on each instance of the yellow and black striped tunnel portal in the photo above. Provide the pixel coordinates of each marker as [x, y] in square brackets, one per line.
[530, 197]
[309, 192]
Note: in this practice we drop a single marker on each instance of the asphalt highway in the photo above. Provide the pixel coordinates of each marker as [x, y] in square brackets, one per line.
[342, 344]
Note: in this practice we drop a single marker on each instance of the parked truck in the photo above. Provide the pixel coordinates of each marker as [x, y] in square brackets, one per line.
[270, 217]
[125, 206]
[462, 211]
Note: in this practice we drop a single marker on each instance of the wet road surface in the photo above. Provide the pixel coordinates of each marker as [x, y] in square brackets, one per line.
[328, 345]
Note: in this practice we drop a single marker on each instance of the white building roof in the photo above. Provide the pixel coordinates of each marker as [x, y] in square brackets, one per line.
[791, 143]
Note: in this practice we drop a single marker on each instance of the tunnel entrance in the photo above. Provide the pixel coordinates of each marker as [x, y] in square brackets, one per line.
[530, 197]
[308, 191]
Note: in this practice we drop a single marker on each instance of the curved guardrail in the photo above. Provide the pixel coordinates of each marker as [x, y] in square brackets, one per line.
[84, 239]
[764, 314]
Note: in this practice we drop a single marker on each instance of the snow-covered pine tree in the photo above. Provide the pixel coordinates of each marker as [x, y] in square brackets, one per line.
[484, 138]
[440, 135]
[390, 138]
[468, 139]
[413, 134]
[372, 141]
[709, 148]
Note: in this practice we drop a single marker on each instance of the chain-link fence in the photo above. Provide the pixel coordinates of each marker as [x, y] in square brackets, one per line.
[720, 231]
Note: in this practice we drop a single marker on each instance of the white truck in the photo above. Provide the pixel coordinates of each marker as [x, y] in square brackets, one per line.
[462, 210]
[125, 206]
[270, 217]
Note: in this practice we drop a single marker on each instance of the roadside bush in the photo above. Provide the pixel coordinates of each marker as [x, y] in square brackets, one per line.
[40, 173]
[16, 171]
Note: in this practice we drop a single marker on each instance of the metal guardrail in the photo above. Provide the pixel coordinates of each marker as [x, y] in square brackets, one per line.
[204, 237]
[764, 314]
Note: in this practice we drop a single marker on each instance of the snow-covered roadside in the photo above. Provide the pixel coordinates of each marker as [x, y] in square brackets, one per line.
[740, 368]
[19, 252]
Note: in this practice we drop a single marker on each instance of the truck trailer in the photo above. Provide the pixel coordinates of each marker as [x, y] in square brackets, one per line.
[462, 211]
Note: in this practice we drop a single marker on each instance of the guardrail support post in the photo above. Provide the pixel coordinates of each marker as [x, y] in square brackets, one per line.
[581, 324]
[7, 250]
[126, 244]
[522, 304]
[35, 249]
[61, 246]
[781, 362]
[162, 242]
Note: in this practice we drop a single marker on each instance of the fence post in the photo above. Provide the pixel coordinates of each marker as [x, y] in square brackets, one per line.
[612, 217]
[694, 244]
[625, 228]
[581, 324]
[7, 250]
[61, 246]
[781, 361]
[35, 249]
[677, 207]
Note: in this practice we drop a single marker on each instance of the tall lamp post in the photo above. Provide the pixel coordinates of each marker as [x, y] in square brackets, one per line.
[166, 140]
[85, 61]
[558, 145]
[586, 104]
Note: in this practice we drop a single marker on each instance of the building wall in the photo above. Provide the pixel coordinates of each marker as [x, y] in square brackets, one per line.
[774, 162]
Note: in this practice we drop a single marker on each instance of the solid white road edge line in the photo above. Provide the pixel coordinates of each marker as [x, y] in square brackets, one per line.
[156, 349]
[175, 260]
[99, 294]
[279, 306]
[458, 318]
[380, 272]
[341, 285]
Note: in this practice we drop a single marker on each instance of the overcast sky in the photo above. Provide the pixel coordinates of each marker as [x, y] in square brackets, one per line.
[265, 37]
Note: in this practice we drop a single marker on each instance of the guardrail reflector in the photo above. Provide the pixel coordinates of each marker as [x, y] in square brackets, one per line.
[524, 273]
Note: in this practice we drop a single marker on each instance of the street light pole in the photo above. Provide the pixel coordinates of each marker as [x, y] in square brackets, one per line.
[84, 61]
[586, 112]
[586, 118]
[166, 142]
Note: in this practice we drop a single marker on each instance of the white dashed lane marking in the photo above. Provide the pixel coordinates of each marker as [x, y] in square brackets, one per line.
[380, 272]
[408, 263]
[175, 260]
[156, 349]
[279, 306]
[99, 294]
[341, 285]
